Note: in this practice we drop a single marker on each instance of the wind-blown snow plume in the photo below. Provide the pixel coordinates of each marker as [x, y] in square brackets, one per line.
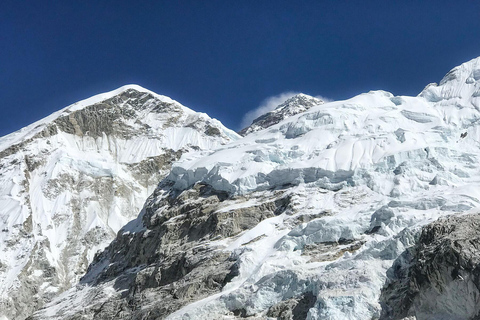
[267, 105]
[323, 98]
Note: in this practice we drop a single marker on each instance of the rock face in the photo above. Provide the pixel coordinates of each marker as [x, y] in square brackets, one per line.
[295, 105]
[438, 278]
[172, 253]
[69, 182]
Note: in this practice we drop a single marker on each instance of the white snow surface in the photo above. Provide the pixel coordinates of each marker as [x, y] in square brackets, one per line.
[334, 140]
[64, 197]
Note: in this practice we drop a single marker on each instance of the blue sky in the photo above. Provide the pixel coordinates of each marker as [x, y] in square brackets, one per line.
[224, 57]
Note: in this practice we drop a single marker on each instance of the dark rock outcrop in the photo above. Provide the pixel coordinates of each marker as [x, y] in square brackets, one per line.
[438, 278]
[295, 105]
[167, 254]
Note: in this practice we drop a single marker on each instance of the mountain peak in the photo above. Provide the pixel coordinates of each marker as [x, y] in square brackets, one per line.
[110, 94]
[128, 101]
[70, 181]
[300, 99]
[319, 216]
[459, 86]
[294, 105]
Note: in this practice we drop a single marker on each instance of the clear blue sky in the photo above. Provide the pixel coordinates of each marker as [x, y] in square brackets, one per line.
[224, 57]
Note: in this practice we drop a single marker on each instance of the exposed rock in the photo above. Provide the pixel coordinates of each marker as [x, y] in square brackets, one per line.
[293, 309]
[438, 278]
[165, 255]
[108, 117]
[331, 251]
[294, 105]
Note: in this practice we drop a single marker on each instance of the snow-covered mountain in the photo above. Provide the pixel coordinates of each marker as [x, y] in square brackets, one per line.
[317, 216]
[297, 104]
[69, 182]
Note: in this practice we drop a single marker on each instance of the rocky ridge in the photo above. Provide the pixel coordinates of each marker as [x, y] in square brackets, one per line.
[292, 106]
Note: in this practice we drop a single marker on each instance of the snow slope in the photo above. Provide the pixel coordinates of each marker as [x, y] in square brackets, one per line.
[70, 181]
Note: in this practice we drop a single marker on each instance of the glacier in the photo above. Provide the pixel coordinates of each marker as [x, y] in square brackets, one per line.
[302, 218]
